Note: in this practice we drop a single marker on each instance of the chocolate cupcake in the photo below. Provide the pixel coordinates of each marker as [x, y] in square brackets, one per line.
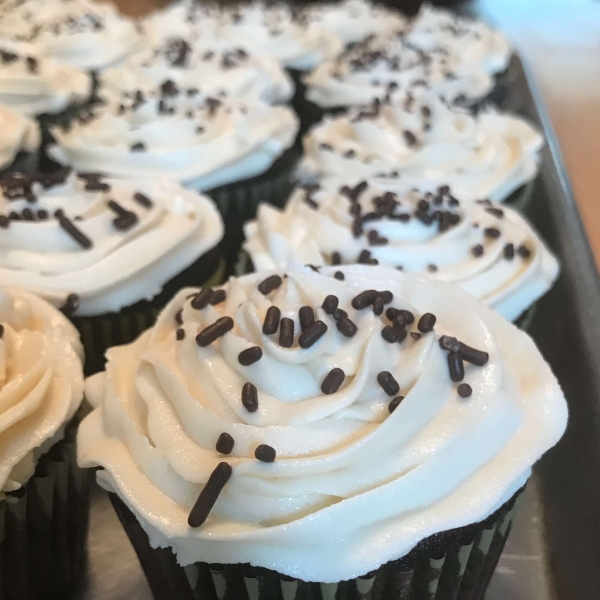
[423, 141]
[44, 497]
[110, 253]
[19, 142]
[338, 434]
[492, 253]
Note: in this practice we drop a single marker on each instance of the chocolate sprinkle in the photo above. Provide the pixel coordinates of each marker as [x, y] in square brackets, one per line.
[217, 297]
[393, 405]
[477, 250]
[456, 366]
[271, 323]
[270, 284]
[76, 233]
[391, 313]
[180, 334]
[509, 251]
[1, 331]
[210, 494]
[225, 444]
[339, 313]
[202, 298]
[250, 397]
[307, 317]
[142, 200]
[449, 343]
[286, 333]
[426, 323]
[249, 356]
[388, 383]
[386, 296]
[491, 232]
[339, 276]
[71, 305]
[138, 147]
[497, 212]
[378, 306]
[179, 317]
[265, 453]
[389, 334]
[333, 380]
[364, 299]
[464, 390]
[523, 251]
[399, 326]
[329, 305]
[415, 336]
[336, 258]
[346, 327]
[213, 332]
[313, 334]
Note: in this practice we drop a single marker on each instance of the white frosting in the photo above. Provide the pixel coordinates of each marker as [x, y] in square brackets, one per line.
[122, 266]
[382, 64]
[19, 133]
[216, 68]
[485, 156]
[41, 382]
[273, 30]
[85, 34]
[352, 486]
[312, 234]
[199, 146]
[472, 40]
[353, 21]
[32, 84]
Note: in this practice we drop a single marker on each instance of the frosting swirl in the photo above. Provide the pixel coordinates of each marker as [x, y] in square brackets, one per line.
[19, 133]
[201, 141]
[110, 243]
[41, 382]
[33, 85]
[425, 142]
[493, 254]
[360, 474]
[84, 34]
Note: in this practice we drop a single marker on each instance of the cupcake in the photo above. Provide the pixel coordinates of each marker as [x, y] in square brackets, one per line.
[84, 34]
[492, 253]
[109, 253]
[44, 497]
[293, 446]
[423, 141]
[19, 142]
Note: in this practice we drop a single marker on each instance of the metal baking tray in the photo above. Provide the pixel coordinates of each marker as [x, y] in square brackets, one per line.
[554, 550]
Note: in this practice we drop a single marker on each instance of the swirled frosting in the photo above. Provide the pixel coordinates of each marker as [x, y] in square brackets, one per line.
[98, 245]
[41, 382]
[203, 142]
[278, 31]
[85, 34]
[19, 133]
[218, 68]
[425, 142]
[32, 84]
[472, 40]
[493, 254]
[383, 64]
[354, 482]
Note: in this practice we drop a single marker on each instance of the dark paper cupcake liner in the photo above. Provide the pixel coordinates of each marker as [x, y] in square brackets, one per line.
[23, 162]
[100, 332]
[44, 525]
[453, 565]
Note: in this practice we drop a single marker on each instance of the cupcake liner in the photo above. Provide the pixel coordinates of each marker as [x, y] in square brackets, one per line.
[453, 565]
[44, 525]
[100, 332]
[521, 198]
[23, 162]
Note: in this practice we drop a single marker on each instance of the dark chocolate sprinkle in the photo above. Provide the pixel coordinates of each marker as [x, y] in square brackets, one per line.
[426, 323]
[449, 343]
[307, 317]
[270, 284]
[333, 380]
[391, 313]
[393, 405]
[250, 397]
[217, 297]
[339, 313]
[249, 356]
[313, 334]
[388, 383]
[213, 332]
[336, 258]
[202, 299]
[265, 453]
[77, 235]
[138, 147]
[509, 251]
[523, 251]
[364, 299]
[179, 317]
[142, 200]
[491, 232]
[43, 214]
[180, 334]
[389, 334]
[378, 306]
[4, 222]
[271, 323]
[456, 367]
[364, 258]
[286, 333]
[407, 316]
[386, 296]
[339, 276]
[329, 305]
[225, 443]
[415, 336]
[473, 356]
[210, 494]
[410, 138]
[477, 250]
[432, 268]
[346, 327]
[497, 212]
[71, 304]
[399, 326]
[464, 390]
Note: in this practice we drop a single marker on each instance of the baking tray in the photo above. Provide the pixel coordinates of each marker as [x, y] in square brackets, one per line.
[554, 550]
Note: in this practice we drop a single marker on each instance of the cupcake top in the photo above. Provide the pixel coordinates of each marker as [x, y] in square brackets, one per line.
[85, 34]
[434, 29]
[19, 134]
[32, 84]
[489, 252]
[92, 245]
[354, 21]
[199, 140]
[217, 67]
[279, 31]
[383, 64]
[334, 439]
[41, 382]
[423, 141]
